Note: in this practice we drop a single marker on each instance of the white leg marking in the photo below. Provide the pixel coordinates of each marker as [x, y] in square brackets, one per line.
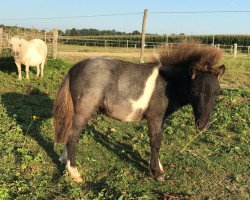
[75, 175]
[160, 165]
[64, 155]
[142, 102]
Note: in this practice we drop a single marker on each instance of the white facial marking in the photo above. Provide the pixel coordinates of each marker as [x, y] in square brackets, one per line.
[142, 102]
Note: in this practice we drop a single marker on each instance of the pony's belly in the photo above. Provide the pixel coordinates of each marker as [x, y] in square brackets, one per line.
[132, 116]
[33, 58]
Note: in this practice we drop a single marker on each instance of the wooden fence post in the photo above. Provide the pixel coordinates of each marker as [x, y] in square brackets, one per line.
[1, 40]
[54, 43]
[248, 50]
[235, 50]
[143, 35]
[45, 37]
[127, 46]
[105, 44]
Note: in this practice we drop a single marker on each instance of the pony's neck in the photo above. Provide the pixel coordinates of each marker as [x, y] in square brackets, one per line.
[177, 89]
[24, 47]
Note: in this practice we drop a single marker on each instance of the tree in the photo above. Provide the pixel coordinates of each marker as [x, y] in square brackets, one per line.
[136, 32]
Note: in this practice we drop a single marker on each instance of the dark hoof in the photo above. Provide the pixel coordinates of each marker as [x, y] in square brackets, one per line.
[160, 178]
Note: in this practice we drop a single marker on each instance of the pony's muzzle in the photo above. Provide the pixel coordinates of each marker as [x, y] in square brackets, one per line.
[202, 125]
[16, 54]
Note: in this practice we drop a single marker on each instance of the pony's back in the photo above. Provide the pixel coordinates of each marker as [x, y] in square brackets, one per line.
[40, 46]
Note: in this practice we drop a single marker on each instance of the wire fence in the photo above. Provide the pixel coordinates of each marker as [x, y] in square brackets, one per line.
[86, 44]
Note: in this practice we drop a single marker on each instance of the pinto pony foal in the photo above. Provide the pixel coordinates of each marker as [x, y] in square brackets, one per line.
[129, 91]
[29, 53]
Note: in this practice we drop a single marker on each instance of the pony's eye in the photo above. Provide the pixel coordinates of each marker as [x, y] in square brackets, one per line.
[20, 45]
[193, 93]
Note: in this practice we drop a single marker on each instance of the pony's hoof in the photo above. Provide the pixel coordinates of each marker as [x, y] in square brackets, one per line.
[160, 178]
[77, 179]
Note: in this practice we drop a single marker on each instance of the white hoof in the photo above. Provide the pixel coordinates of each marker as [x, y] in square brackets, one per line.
[75, 175]
[77, 179]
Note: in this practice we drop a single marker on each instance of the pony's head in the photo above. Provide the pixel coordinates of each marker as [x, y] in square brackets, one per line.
[195, 64]
[15, 44]
[204, 90]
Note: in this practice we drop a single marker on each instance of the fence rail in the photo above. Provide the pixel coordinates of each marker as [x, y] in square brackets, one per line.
[58, 44]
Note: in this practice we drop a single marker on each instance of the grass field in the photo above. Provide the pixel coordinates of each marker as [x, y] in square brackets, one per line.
[113, 156]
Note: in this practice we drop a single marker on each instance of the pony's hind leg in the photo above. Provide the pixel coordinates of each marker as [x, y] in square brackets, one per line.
[27, 71]
[83, 111]
[42, 67]
[155, 135]
[63, 157]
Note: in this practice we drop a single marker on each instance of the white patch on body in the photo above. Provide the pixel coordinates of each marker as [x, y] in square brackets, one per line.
[143, 101]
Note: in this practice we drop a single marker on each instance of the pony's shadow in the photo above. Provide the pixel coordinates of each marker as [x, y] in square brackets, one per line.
[30, 110]
[131, 156]
[7, 65]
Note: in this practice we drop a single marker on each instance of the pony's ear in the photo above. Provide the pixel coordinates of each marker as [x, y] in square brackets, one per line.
[221, 70]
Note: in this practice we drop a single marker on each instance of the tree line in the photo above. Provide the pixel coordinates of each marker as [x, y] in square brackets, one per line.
[70, 32]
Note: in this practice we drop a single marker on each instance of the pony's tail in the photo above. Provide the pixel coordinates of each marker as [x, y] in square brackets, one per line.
[63, 112]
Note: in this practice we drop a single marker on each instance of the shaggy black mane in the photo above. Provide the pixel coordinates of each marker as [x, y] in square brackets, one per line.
[188, 55]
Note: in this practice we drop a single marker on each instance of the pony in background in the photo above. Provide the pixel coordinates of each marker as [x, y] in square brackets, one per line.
[28, 53]
[129, 91]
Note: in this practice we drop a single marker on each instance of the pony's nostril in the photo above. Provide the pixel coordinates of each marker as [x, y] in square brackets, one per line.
[198, 123]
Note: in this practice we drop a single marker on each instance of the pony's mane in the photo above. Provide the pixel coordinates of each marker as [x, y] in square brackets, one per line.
[188, 54]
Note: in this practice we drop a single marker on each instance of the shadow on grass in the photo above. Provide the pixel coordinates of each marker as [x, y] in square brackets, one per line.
[33, 107]
[7, 65]
[130, 155]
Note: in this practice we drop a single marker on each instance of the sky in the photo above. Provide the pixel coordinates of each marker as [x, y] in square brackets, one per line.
[79, 14]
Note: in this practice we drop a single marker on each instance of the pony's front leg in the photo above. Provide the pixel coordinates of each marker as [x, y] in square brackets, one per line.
[27, 71]
[37, 70]
[155, 135]
[19, 70]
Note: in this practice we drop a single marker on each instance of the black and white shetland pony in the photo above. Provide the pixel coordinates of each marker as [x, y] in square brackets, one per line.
[129, 91]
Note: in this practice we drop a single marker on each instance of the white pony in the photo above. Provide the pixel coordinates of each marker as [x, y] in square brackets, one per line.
[29, 53]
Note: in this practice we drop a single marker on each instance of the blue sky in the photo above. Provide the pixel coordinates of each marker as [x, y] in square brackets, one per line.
[206, 23]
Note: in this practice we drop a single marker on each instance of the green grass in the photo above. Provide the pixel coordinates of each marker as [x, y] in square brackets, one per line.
[113, 156]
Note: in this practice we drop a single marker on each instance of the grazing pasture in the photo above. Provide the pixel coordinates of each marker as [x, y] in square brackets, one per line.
[113, 156]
